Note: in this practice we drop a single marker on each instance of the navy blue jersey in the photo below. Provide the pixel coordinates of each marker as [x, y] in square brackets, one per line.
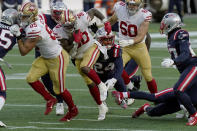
[7, 40]
[111, 67]
[49, 21]
[180, 49]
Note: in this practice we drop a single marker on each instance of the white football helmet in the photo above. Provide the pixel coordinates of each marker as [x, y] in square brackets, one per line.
[133, 6]
[169, 22]
[105, 38]
[9, 16]
[28, 14]
[57, 9]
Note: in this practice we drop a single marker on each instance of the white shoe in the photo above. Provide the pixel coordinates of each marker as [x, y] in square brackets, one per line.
[2, 124]
[183, 113]
[130, 101]
[103, 91]
[60, 109]
[103, 109]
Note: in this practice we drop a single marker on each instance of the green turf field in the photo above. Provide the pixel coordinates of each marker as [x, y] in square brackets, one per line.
[24, 109]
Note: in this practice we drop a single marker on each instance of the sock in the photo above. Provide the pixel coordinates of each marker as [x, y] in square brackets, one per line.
[125, 77]
[94, 91]
[152, 86]
[94, 77]
[2, 102]
[68, 98]
[59, 98]
[126, 94]
[39, 88]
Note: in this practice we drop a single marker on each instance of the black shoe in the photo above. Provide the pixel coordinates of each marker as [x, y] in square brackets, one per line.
[136, 80]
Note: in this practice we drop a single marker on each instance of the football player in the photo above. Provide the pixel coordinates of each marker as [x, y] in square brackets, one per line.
[53, 59]
[84, 51]
[133, 27]
[56, 10]
[7, 41]
[185, 89]
[109, 66]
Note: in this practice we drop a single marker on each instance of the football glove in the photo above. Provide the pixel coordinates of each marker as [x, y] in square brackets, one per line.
[110, 83]
[15, 30]
[167, 62]
[107, 27]
[94, 27]
[124, 43]
[77, 36]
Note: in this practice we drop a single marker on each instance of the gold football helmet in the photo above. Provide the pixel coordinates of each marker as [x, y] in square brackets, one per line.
[28, 14]
[133, 6]
[67, 19]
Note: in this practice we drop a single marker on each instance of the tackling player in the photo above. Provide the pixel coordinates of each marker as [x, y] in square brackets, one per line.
[109, 66]
[133, 27]
[7, 41]
[53, 59]
[185, 89]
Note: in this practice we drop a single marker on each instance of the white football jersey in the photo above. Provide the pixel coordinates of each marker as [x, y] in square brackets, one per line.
[82, 23]
[49, 46]
[59, 32]
[129, 25]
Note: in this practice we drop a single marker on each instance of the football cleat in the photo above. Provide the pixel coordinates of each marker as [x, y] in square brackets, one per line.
[120, 101]
[103, 91]
[136, 80]
[2, 124]
[192, 121]
[70, 114]
[60, 109]
[49, 106]
[140, 111]
[129, 101]
[103, 109]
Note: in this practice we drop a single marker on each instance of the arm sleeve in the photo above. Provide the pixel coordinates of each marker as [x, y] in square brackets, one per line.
[147, 15]
[118, 66]
[33, 32]
[83, 20]
[183, 41]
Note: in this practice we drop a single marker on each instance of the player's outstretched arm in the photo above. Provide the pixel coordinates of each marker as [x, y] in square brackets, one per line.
[113, 19]
[95, 12]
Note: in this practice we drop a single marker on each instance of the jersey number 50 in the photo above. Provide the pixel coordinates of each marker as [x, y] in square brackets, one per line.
[128, 30]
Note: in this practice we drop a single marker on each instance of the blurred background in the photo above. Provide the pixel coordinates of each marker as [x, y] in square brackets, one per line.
[157, 7]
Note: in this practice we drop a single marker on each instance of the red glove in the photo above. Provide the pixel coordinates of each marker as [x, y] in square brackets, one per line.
[77, 36]
[107, 27]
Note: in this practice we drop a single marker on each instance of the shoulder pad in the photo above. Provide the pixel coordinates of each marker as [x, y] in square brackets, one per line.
[146, 14]
[33, 30]
[83, 20]
[181, 34]
[118, 5]
[116, 51]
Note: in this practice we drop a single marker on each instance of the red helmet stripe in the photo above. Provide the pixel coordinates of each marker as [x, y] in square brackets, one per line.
[68, 15]
[22, 8]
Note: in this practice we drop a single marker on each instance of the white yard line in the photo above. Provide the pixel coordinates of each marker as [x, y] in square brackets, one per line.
[80, 107]
[73, 129]
[22, 76]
